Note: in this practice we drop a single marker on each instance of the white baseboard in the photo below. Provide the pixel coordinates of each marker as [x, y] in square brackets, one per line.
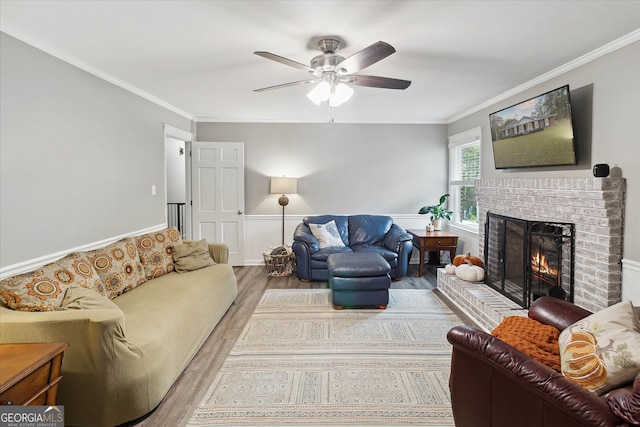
[631, 281]
[25, 266]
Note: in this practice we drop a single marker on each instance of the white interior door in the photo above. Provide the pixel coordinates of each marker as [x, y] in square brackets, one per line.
[218, 195]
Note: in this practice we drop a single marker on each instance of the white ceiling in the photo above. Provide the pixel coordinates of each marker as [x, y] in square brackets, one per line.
[197, 56]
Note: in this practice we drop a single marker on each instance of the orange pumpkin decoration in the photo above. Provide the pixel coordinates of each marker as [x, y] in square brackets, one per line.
[463, 259]
[584, 365]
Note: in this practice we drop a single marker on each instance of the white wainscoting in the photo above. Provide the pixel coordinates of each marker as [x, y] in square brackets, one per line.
[631, 281]
[262, 231]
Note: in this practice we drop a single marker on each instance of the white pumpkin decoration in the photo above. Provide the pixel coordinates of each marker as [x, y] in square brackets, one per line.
[470, 272]
[450, 269]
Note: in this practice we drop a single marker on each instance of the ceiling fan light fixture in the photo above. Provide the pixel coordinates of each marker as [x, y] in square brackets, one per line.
[320, 93]
[341, 94]
[331, 71]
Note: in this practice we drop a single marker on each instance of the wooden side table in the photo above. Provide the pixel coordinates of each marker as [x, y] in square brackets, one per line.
[30, 373]
[433, 241]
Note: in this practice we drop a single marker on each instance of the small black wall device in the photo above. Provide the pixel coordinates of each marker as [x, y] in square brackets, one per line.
[601, 170]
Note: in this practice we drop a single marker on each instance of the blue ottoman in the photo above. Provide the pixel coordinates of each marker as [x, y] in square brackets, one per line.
[359, 280]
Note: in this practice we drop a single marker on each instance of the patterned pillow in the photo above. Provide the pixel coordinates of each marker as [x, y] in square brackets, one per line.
[86, 275]
[40, 290]
[602, 351]
[327, 234]
[119, 267]
[155, 251]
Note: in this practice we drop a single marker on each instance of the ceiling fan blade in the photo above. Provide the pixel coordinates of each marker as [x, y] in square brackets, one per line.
[288, 62]
[375, 81]
[362, 59]
[299, 82]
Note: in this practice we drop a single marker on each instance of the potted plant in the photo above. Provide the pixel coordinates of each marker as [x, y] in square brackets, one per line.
[438, 212]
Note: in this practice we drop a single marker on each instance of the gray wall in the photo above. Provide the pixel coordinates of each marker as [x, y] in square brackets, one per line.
[605, 94]
[342, 168]
[78, 156]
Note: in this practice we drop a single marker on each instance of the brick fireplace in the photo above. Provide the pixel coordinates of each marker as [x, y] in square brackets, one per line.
[594, 205]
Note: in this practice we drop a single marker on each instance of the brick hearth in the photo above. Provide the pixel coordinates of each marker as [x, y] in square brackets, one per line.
[483, 304]
[594, 205]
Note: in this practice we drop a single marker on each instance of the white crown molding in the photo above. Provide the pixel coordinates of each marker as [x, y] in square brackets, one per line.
[29, 265]
[67, 57]
[623, 41]
[204, 119]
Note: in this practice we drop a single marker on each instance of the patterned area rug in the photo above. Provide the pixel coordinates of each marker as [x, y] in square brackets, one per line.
[299, 362]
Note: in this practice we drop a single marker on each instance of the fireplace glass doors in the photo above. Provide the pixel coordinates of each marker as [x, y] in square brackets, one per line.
[528, 259]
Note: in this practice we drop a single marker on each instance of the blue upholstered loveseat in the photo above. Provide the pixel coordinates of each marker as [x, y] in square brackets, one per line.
[359, 233]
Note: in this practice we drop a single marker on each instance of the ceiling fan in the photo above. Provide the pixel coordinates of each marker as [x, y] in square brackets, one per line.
[333, 72]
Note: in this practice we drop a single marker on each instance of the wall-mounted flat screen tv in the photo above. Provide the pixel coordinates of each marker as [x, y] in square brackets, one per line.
[536, 132]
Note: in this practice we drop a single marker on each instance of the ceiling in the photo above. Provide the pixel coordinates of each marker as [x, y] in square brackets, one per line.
[196, 57]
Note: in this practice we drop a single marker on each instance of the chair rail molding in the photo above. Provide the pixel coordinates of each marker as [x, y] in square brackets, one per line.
[631, 281]
[31, 264]
[263, 231]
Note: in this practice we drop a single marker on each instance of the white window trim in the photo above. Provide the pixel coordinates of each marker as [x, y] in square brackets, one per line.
[468, 137]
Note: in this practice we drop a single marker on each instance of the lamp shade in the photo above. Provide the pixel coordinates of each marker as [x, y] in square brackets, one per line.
[320, 93]
[340, 95]
[284, 185]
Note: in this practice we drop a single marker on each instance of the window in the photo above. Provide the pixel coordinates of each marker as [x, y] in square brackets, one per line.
[464, 170]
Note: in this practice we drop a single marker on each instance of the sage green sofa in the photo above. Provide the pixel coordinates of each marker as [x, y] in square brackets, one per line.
[125, 353]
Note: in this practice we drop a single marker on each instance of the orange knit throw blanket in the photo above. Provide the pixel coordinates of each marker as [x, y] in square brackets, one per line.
[531, 337]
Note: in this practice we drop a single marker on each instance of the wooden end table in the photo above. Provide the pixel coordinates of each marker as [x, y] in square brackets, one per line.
[30, 373]
[433, 241]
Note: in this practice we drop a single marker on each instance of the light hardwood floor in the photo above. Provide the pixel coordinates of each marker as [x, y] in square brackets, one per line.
[188, 390]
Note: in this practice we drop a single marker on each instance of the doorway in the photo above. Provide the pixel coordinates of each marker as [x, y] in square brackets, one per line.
[175, 155]
[177, 167]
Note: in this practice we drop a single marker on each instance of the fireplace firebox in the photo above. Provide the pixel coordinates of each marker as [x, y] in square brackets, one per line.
[525, 260]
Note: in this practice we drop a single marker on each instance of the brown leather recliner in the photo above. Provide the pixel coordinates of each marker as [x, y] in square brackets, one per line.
[494, 385]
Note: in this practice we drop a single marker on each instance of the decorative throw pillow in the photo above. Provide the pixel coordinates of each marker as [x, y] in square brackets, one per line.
[327, 234]
[189, 256]
[40, 290]
[86, 275]
[155, 251]
[79, 298]
[602, 351]
[119, 267]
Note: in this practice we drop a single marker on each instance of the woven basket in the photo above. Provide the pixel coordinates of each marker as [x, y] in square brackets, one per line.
[279, 265]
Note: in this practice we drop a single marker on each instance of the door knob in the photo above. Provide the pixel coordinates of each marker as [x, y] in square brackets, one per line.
[239, 212]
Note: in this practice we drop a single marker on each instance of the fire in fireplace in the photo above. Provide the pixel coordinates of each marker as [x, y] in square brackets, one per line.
[525, 260]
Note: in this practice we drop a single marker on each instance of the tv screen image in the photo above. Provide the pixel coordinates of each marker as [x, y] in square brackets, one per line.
[535, 132]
